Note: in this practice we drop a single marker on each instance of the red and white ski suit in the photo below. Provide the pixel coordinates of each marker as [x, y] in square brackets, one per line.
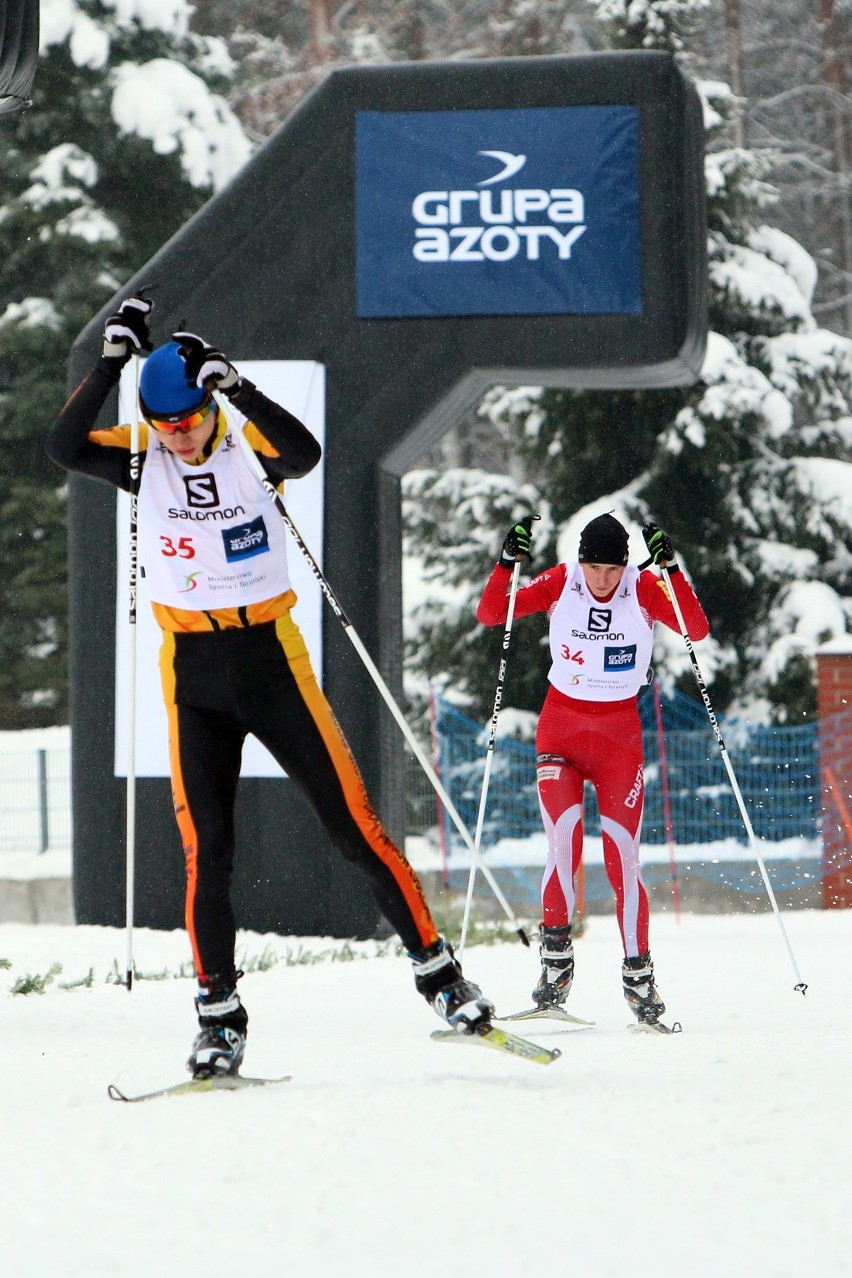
[601, 647]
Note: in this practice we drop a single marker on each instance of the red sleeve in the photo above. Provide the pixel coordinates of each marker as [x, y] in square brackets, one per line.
[539, 595]
[654, 597]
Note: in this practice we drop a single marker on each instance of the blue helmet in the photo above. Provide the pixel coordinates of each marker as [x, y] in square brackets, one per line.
[164, 390]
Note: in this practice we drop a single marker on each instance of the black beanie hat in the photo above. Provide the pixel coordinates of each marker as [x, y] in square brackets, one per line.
[603, 541]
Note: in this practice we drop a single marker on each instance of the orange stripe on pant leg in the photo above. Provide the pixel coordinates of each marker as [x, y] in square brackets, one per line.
[354, 790]
[183, 816]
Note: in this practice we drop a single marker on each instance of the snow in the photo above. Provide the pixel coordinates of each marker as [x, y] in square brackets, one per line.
[789, 254]
[54, 169]
[758, 283]
[721, 1150]
[828, 482]
[161, 100]
[171, 107]
[32, 312]
[733, 388]
[171, 16]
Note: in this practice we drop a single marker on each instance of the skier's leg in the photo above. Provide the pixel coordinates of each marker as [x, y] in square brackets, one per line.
[293, 719]
[617, 776]
[295, 722]
[619, 784]
[560, 797]
[205, 748]
[560, 793]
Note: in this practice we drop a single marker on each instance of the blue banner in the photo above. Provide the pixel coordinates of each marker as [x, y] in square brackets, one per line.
[509, 212]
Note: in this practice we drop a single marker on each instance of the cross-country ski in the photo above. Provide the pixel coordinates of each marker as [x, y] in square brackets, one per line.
[499, 1041]
[197, 1086]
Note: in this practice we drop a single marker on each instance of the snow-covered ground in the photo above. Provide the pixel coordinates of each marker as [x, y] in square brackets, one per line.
[723, 1150]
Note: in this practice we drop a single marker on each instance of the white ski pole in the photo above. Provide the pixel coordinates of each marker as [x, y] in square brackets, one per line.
[800, 985]
[130, 818]
[489, 759]
[492, 738]
[367, 660]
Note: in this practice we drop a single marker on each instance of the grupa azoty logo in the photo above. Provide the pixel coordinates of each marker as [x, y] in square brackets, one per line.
[497, 224]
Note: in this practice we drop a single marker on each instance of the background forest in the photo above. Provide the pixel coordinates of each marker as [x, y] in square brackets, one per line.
[144, 108]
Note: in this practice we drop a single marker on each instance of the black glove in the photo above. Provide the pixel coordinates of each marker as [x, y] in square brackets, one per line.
[126, 332]
[518, 542]
[205, 366]
[659, 545]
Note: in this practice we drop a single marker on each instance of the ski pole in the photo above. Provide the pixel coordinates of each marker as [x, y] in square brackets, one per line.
[130, 789]
[800, 985]
[366, 659]
[492, 738]
[436, 756]
[667, 808]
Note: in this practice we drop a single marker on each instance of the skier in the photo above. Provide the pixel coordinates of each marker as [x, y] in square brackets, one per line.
[233, 661]
[602, 615]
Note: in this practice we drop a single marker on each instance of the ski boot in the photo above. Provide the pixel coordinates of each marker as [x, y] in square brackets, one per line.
[438, 977]
[642, 995]
[557, 966]
[221, 1040]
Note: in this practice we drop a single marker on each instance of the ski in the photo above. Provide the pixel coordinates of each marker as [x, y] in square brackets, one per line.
[500, 1041]
[548, 1014]
[221, 1083]
[557, 1014]
[656, 1027]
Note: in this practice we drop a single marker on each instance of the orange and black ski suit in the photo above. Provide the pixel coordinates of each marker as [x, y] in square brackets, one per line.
[238, 670]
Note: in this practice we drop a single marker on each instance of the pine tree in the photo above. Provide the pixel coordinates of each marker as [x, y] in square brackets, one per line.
[124, 141]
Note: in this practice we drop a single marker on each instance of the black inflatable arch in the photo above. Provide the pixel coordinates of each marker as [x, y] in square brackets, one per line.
[268, 270]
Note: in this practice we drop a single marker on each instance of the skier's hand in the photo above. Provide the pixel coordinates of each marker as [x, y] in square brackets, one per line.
[659, 545]
[126, 332]
[206, 366]
[517, 544]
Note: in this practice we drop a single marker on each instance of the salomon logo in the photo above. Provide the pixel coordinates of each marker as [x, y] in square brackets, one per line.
[201, 490]
[600, 618]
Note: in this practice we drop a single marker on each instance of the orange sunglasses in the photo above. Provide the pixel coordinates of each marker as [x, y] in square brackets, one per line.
[180, 425]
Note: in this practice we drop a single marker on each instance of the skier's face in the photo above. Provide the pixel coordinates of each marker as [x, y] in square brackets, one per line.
[189, 444]
[602, 579]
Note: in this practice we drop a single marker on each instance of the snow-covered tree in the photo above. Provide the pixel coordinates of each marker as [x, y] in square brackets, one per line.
[747, 469]
[127, 136]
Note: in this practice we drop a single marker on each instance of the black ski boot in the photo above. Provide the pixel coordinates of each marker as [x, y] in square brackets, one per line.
[557, 966]
[438, 977]
[643, 997]
[221, 1040]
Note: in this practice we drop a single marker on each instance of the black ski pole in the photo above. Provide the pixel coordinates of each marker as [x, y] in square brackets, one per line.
[492, 738]
[800, 985]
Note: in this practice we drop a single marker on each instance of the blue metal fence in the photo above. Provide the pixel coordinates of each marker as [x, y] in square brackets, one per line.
[777, 769]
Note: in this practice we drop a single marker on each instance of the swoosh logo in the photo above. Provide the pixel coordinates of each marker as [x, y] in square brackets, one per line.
[511, 163]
